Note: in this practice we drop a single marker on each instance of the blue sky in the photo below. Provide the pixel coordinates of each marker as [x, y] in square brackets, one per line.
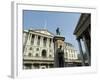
[51, 20]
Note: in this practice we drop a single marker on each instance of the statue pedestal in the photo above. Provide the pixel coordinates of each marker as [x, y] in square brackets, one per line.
[58, 42]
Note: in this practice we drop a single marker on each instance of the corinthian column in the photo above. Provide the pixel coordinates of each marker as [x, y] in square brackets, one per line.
[41, 41]
[35, 40]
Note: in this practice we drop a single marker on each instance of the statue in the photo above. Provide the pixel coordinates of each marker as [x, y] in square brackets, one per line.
[57, 31]
[60, 57]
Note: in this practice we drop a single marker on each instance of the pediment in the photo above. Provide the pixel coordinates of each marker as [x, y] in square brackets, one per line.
[44, 31]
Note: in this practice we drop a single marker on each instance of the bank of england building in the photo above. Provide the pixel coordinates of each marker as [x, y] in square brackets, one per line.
[38, 50]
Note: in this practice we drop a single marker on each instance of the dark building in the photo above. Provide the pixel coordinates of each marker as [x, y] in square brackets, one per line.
[83, 34]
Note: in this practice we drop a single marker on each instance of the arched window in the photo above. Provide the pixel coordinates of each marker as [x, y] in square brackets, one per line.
[30, 48]
[29, 54]
[50, 55]
[37, 49]
[37, 55]
[44, 53]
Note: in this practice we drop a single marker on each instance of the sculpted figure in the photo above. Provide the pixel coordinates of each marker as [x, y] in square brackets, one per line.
[60, 57]
[57, 31]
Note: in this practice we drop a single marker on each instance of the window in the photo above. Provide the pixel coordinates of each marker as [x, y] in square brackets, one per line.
[29, 54]
[30, 48]
[37, 55]
[44, 54]
[37, 49]
[50, 50]
[50, 55]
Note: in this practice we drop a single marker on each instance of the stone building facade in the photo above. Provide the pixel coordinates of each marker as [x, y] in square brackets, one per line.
[83, 34]
[38, 49]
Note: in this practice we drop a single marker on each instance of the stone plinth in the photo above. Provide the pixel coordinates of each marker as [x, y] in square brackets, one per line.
[58, 42]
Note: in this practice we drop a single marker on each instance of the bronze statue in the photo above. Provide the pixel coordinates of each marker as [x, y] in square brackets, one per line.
[60, 57]
[57, 31]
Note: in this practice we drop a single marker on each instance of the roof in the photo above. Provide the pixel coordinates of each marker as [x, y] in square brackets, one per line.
[43, 31]
[82, 21]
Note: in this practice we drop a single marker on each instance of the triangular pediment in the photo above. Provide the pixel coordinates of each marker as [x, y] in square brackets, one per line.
[44, 31]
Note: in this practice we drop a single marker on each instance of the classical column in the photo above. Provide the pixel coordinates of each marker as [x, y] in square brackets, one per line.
[29, 39]
[25, 43]
[35, 40]
[87, 51]
[52, 47]
[48, 41]
[41, 41]
[69, 54]
[48, 49]
[81, 52]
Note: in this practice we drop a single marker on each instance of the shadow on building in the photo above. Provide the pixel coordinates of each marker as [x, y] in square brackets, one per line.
[83, 34]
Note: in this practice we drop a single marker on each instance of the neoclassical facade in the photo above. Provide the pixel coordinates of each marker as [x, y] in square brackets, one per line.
[38, 49]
